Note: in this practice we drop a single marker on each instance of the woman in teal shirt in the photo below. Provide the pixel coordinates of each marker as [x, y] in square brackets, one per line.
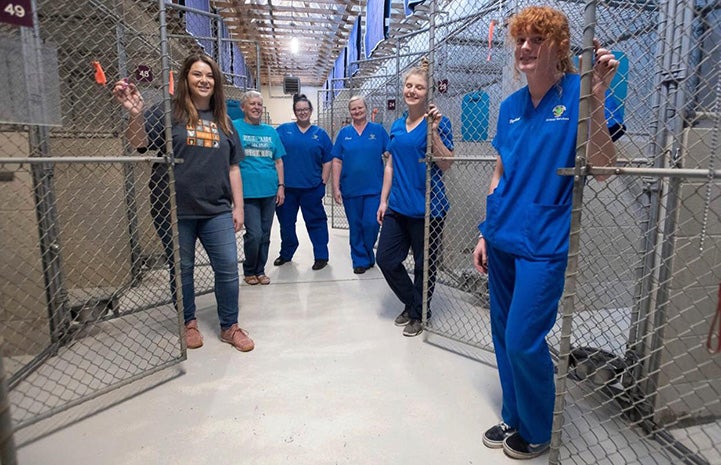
[262, 172]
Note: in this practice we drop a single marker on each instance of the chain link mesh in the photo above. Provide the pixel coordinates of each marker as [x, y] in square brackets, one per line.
[87, 304]
[637, 379]
[87, 301]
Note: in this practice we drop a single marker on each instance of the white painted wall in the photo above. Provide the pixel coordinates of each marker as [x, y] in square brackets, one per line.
[280, 106]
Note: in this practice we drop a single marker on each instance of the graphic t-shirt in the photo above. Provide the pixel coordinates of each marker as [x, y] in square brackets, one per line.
[262, 147]
[202, 179]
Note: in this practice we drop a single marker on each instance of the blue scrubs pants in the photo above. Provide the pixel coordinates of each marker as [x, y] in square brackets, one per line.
[399, 234]
[361, 213]
[310, 202]
[524, 297]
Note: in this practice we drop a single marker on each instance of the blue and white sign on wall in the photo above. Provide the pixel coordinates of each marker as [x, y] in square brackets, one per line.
[475, 116]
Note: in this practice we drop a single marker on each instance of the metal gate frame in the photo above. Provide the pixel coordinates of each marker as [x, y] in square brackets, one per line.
[75, 322]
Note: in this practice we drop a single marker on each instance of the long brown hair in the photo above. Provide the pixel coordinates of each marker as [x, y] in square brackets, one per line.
[183, 108]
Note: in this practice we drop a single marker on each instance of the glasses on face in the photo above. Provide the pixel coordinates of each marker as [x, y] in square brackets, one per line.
[303, 110]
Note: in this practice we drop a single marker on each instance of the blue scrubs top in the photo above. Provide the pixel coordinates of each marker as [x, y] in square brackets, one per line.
[529, 213]
[362, 157]
[408, 149]
[306, 153]
[262, 147]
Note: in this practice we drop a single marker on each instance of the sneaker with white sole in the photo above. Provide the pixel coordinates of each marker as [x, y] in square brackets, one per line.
[495, 435]
[518, 448]
[402, 319]
[413, 328]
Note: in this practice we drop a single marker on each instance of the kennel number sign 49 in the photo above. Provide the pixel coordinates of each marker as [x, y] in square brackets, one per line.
[17, 12]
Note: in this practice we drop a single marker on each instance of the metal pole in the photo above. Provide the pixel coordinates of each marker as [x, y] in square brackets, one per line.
[8, 454]
[652, 188]
[682, 19]
[429, 165]
[219, 42]
[170, 157]
[131, 208]
[257, 69]
[43, 186]
[568, 301]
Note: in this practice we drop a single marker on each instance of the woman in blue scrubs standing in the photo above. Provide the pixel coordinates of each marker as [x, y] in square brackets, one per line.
[523, 244]
[307, 169]
[358, 179]
[402, 210]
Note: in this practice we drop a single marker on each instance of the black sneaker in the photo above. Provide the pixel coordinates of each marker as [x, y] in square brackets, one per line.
[413, 328]
[518, 448]
[359, 269]
[280, 261]
[402, 319]
[495, 435]
[319, 264]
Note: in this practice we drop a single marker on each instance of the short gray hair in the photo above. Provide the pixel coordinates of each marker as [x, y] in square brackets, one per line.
[357, 97]
[248, 95]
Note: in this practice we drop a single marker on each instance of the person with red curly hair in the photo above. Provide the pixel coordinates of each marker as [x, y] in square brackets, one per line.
[523, 245]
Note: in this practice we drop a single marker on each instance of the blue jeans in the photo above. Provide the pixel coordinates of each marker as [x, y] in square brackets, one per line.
[256, 241]
[310, 202]
[218, 238]
[399, 234]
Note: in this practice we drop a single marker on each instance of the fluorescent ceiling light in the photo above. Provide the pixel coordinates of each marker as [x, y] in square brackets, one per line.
[294, 46]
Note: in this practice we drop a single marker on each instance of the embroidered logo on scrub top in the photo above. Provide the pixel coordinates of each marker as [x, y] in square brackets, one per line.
[315, 136]
[514, 120]
[372, 137]
[205, 134]
[558, 112]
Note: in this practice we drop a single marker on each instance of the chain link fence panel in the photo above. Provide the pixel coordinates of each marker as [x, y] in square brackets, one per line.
[87, 290]
[637, 357]
[637, 382]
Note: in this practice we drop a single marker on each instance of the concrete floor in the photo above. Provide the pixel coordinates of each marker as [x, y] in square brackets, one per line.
[331, 381]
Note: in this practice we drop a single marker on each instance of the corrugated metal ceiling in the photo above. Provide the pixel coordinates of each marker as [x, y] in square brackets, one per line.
[321, 28]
